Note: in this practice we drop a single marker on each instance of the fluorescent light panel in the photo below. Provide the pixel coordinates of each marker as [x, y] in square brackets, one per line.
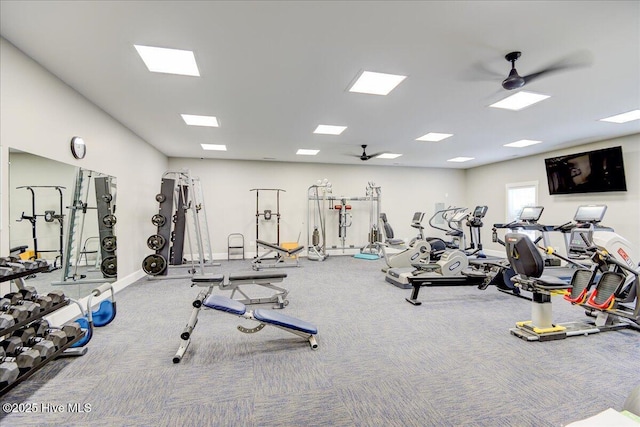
[388, 156]
[170, 61]
[192, 120]
[376, 83]
[460, 159]
[434, 137]
[522, 143]
[624, 117]
[329, 129]
[304, 152]
[519, 100]
[214, 147]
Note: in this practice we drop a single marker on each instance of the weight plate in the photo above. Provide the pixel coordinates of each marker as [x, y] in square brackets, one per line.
[109, 243]
[109, 266]
[156, 242]
[158, 220]
[160, 197]
[109, 220]
[154, 264]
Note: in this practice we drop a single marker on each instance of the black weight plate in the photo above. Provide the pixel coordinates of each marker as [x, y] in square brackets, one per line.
[156, 242]
[109, 243]
[109, 266]
[158, 220]
[154, 264]
[109, 220]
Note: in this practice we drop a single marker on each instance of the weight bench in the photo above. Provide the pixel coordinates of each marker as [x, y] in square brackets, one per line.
[265, 317]
[260, 278]
[281, 255]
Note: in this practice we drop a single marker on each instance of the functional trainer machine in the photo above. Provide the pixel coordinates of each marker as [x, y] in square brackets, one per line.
[224, 304]
[317, 221]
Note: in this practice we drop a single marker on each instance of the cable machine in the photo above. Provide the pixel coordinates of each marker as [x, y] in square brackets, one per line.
[267, 214]
[374, 194]
[317, 237]
[49, 216]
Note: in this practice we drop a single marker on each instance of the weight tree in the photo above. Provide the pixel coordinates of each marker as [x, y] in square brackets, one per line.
[267, 214]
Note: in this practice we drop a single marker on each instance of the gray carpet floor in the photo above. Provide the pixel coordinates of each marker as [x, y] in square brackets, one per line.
[381, 361]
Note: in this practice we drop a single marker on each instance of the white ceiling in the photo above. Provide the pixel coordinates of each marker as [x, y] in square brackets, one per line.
[272, 71]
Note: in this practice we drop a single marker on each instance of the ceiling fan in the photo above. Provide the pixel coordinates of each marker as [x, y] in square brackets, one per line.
[515, 81]
[364, 156]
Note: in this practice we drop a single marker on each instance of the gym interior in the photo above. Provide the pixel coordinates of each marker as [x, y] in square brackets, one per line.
[104, 180]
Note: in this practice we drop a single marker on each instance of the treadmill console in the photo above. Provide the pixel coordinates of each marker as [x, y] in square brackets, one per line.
[590, 213]
[531, 213]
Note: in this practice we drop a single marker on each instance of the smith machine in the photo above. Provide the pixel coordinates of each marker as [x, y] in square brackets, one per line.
[181, 214]
[77, 242]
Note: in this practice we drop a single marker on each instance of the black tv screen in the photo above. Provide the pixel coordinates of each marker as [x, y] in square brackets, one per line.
[589, 172]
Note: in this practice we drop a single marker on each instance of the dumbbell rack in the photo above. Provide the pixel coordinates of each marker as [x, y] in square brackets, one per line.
[17, 278]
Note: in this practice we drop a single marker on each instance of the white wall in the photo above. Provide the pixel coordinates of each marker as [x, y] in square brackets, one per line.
[231, 207]
[39, 115]
[486, 185]
[29, 170]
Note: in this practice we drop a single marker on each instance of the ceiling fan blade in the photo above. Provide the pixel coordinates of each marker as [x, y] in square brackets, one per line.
[376, 154]
[578, 59]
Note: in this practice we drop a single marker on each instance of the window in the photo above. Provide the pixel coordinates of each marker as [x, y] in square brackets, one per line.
[519, 195]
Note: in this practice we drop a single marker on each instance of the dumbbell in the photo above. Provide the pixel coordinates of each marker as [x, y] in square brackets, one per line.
[20, 311]
[71, 330]
[43, 301]
[25, 357]
[30, 293]
[6, 321]
[46, 347]
[9, 372]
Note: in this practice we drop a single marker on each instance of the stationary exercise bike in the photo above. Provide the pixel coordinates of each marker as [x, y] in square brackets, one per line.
[418, 249]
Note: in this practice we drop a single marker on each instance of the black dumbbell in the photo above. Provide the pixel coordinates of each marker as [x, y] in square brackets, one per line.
[25, 357]
[71, 330]
[46, 346]
[20, 312]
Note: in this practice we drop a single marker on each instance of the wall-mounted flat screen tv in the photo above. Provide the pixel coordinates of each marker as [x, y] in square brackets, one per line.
[589, 172]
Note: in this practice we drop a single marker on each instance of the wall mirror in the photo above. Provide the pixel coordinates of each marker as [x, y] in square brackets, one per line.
[68, 215]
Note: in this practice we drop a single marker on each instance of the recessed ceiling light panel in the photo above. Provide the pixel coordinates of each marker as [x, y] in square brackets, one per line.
[376, 83]
[192, 120]
[434, 137]
[170, 61]
[522, 143]
[305, 152]
[329, 129]
[460, 159]
[624, 117]
[519, 100]
[388, 156]
[214, 147]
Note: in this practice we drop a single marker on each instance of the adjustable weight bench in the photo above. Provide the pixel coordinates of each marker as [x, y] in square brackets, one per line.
[281, 256]
[260, 278]
[265, 317]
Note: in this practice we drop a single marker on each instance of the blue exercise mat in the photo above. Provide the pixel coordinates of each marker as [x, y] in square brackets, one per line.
[367, 256]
